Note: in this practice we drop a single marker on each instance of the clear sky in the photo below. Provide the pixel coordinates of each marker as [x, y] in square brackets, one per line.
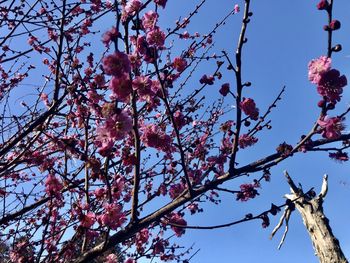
[283, 37]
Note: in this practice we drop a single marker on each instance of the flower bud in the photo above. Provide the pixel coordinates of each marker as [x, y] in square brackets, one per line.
[321, 103]
[323, 5]
[335, 25]
[225, 89]
[337, 48]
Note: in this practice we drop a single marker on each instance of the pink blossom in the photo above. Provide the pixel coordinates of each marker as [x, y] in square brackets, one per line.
[185, 35]
[179, 64]
[116, 64]
[236, 9]
[93, 96]
[132, 7]
[149, 20]
[32, 40]
[249, 108]
[158, 247]
[110, 35]
[111, 258]
[179, 119]
[45, 98]
[226, 145]
[143, 235]
[120, 124]
[153, 136]
[176, 189]
[143, 84]
[323, 5]
[22, 252]
[99, 80]
[121, 88]
[141, 239]
[112, 217]
[284, 149]
[130, 260]
[53, 185]
[116, 127]
[247, 192]
[317, 67]
[103, 141]
[331, 127]
[99, 193]
[207, 80]
[330, 85]
[135, 61]
[88, 220]
[193, 207]
[156, 37]
[118, 187]
[245, 140]
[141, 45]
[177, 219]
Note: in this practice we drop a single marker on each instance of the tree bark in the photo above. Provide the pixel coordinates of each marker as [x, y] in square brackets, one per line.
[326, 245]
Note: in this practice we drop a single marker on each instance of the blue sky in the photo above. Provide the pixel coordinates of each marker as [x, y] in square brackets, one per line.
[283, 37]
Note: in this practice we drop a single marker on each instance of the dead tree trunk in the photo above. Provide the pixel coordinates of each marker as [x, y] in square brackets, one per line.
[326, 245]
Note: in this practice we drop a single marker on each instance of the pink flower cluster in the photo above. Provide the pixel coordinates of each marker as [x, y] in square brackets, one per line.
[323, 5]
[132, 7]
[158, 247]
[112, 217]
[145, 88]
[180, 119]
[22, 252]
[53, 186]
[176, 218]
[176, 189]
[88, 220]
[110, 36]
[329, 82]
[153, 136]
[156, 37]
[141, 239]
[247, 192]
[331, 85]
[116, 127]
[207, 80]
[245, 141]
[179, 64]
[116, 64]
[317, 67]
[331, 127]
[112, 258]
[121, 88]
[249, 108]
[149, 20]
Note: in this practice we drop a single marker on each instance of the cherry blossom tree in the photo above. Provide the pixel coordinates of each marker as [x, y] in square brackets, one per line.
[115, 145]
